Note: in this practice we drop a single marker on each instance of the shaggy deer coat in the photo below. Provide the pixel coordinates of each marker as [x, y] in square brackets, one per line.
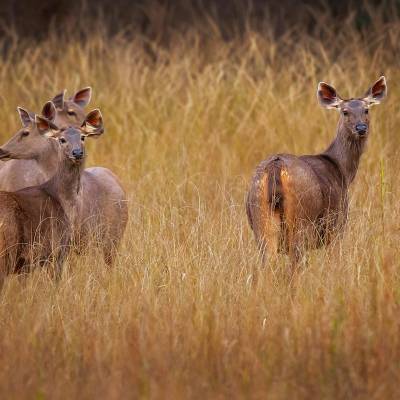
[301, 202]
[36, 222]
[101, 207]
[38, 163]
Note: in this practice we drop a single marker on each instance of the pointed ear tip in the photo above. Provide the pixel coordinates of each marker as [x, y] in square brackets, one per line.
[327, 86]
[62, 92]
[59, 97]
[96, 111]
[85, 89]
[381, 80]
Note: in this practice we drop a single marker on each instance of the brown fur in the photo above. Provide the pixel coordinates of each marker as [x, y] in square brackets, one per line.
[301, 202]
[36, 222]
[101, 205]
[38, 162]
[267, 198]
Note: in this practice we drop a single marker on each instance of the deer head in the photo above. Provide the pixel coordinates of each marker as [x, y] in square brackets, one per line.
[29, 141]
[69, 111]
[354, 113]
[71, 139]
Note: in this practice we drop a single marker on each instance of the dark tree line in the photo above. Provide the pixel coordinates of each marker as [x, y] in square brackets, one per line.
[156, 19]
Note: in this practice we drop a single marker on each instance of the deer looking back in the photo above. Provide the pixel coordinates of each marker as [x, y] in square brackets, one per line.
[301, 202]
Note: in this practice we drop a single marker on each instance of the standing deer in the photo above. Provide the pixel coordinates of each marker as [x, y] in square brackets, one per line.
[301, 202]
[100, 206]
[36, 222]
[22, 172]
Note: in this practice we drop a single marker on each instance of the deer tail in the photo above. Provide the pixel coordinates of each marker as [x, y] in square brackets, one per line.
[265, 205]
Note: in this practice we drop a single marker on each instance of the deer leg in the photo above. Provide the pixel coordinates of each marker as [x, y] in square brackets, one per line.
[58, 269]
[109, 255]
[294, 236]
[6, 261]
[3, 275]
[269, 237]
[65, 247]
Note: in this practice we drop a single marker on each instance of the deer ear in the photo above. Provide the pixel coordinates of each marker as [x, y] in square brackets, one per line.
[49, 111]
[58, 99]
[45, 127]
[82, 97]
[93, 124]
[26, 116]
[327, 96]
[377, 92]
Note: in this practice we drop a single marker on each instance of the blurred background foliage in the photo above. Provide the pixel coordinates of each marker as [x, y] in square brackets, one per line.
[163, 20]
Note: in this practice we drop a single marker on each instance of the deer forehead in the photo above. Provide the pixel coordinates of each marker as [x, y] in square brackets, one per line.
[72, 135]
[354, 104]
[69, 106]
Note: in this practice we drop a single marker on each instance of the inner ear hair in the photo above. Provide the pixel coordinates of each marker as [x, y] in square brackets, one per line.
[377, 92]
[26, 117]
[93, 124]
[327, 96]
[49, 111]
[45, 126]
[82, 97]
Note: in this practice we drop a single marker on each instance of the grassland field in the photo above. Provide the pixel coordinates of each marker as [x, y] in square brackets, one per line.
[189, 310]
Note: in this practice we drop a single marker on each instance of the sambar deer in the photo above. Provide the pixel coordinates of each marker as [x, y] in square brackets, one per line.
[36, 222]
[101, 207]
[23, 172]
[301, 202]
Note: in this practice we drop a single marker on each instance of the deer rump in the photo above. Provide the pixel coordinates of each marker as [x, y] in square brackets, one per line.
[296, 202]
[34, 230]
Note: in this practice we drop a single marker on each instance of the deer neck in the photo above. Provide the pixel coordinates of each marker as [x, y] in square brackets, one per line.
[346, 151]
[65, 186]
[48, 160]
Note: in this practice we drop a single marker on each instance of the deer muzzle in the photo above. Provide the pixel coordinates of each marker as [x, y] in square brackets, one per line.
[361, 129]
[77, 154]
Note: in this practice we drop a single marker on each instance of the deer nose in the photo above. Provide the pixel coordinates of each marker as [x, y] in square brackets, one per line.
[361, 128]
[77, 153]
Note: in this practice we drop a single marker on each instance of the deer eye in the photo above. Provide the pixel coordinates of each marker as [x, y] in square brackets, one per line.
[345, 112]
[62, 140]
[24, 133]
[71, 112]
[83, 138]
[366, 111]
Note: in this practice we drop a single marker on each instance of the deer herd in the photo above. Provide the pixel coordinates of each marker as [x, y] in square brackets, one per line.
[50, 204]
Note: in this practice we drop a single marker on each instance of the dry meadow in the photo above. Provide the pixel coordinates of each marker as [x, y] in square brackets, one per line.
[189, 310]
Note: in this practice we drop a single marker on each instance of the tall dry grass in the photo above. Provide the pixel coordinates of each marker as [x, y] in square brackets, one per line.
[189, 311]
